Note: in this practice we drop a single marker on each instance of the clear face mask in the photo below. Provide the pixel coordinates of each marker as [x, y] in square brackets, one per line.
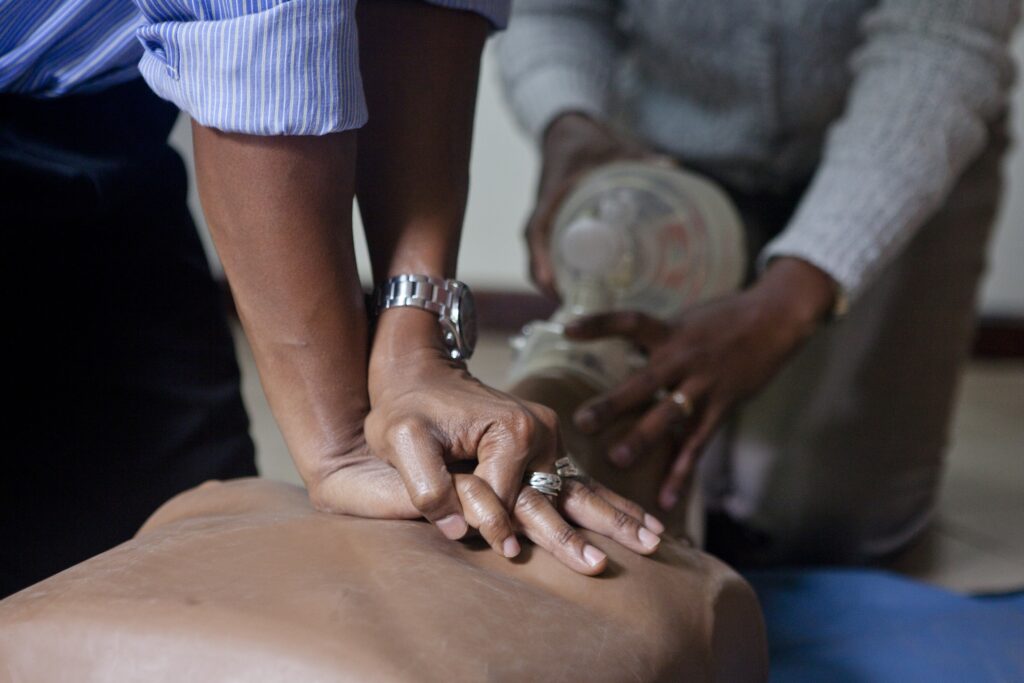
[632, 236]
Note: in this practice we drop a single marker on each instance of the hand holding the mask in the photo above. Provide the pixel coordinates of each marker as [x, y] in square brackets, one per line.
[712, 358]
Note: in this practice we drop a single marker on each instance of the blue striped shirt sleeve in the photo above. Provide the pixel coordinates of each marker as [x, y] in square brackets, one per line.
[265, 67]
[50, 48]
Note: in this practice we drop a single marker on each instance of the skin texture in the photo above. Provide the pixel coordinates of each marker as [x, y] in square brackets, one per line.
[717, 354]
[376, 423]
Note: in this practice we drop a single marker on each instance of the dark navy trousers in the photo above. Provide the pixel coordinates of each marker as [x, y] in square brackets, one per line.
[122, 385]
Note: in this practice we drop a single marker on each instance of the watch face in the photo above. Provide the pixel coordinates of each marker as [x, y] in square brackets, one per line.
[465, 321]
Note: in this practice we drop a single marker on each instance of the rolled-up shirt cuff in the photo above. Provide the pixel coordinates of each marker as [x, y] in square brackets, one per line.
[541, 96]
[292, 69]
[851, 225]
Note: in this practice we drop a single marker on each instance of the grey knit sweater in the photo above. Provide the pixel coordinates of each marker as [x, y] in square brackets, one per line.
[882, 104]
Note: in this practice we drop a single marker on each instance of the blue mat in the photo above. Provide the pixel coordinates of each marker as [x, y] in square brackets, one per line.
[856, 626]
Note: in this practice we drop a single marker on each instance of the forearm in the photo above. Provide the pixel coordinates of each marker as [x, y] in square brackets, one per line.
[930, 78]
[794, 297]
[420, 71]
[279, 210]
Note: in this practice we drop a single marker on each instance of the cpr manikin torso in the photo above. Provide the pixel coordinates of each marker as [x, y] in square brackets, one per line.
[245, 581]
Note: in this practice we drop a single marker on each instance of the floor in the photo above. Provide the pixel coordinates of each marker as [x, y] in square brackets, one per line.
[977, 542]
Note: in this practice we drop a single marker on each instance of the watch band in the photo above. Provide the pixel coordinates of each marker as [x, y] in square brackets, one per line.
[419, 291]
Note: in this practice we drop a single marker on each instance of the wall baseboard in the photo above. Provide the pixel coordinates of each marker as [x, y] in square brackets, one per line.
[996, 337]
[999, 336]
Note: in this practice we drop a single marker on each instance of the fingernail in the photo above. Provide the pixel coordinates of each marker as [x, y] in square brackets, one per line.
[668, 500]
[510, 547]
[586, 420]
[621, 455]
[652, 523]
[648, 539]
[593, 556]
[453, 526]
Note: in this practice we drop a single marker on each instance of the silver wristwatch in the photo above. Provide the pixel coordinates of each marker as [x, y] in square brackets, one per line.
[451, 300]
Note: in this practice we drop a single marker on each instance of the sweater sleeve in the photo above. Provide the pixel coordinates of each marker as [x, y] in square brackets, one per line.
[558, 56]
[929, 78]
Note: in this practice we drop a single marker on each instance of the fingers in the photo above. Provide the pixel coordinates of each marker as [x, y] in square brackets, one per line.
[682, 468]
[542, 271]
[639, 328]
[485, 512]
[542, 524]
[501, 465]
[647, 433]
[538, 237]
[419, 459]
[634, 392]
[628, 506]
[531, 436]
[587, 508]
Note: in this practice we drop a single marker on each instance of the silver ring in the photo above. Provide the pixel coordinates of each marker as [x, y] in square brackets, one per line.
[545, 482]
[567, 469]
[682, 402]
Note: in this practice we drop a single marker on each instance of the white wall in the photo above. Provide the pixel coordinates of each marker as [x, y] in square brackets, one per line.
[504, 170]
[1004, 287]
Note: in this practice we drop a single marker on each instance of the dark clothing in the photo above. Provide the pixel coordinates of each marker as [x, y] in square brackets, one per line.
[124, 388]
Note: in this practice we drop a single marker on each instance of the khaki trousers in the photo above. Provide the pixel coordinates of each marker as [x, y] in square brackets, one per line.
[840, 458]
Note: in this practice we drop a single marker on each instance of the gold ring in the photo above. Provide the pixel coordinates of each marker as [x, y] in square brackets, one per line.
[682, 402]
